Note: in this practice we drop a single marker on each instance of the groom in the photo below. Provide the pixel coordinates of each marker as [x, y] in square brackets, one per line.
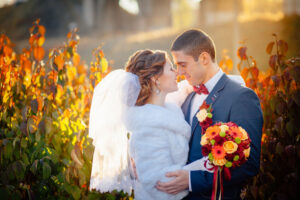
[195, 55]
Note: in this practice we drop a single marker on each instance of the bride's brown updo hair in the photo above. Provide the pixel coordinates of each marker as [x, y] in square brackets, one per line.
[146, 64]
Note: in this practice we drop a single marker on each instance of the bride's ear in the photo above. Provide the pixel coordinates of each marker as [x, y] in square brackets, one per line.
[155, 81]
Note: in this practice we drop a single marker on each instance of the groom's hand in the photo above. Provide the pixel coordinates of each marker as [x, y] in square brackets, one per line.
[178, 184]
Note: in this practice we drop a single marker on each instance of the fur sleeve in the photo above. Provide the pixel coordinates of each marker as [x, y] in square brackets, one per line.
[150, 149]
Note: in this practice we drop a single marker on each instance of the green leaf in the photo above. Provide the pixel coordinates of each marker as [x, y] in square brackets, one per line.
[8, 150]
[19, 169]
[23, 143]
[73, 190]
[46, 170]
[34, 167]
[290, 127]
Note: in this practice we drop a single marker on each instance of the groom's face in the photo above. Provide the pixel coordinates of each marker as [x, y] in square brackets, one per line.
[193, 71]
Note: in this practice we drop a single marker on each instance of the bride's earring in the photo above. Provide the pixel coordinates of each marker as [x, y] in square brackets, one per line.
[157, 90]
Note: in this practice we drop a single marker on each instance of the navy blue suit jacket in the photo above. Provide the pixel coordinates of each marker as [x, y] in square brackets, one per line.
[230, 102]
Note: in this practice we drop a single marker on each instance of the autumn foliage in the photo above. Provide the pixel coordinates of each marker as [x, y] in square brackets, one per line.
[44, 110]
[45, 99]
[278, 90]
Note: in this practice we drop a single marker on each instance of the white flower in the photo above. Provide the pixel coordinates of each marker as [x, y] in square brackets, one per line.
[204, 140]
[224, 128]
[201, 115]
[244, 133]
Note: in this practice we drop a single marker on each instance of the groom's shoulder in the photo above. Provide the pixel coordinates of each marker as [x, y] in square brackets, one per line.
[236, 90]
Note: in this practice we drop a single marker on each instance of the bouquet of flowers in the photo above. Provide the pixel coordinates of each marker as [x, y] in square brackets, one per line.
[227, 145]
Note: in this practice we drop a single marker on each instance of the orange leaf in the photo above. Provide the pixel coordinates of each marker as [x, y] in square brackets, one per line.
[101, 54]
[272, 61]
[81, 69]
[42, 30]
[242, 53]
[40, 101]
[229, 64]
[59, 62]
[38, 53]
[69, 35]
[254, 72]
[76, 59]
[244, 73]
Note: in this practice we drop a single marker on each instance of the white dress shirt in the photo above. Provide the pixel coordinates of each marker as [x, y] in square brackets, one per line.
[198, 100]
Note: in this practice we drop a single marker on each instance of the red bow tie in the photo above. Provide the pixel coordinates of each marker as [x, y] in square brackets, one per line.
[201, 89]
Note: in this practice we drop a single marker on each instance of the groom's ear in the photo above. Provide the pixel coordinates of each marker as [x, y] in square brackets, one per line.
[204, 58]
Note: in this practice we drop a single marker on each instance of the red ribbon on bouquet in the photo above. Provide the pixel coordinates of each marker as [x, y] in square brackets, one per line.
[227, 176]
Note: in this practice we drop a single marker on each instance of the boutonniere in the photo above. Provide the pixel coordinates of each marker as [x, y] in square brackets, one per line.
[204, 116]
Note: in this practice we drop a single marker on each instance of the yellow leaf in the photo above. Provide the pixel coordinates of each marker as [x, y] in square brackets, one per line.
[41, 41]
[6, 96]
[104, 64]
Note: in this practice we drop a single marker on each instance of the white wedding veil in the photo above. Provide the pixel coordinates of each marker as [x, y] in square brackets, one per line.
[113, 96]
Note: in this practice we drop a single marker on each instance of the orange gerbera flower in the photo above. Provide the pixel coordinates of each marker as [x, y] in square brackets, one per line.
[235, 132]
[212, 131]
[218, 152]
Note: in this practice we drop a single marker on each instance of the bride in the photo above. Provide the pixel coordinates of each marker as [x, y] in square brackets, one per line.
[137, 135]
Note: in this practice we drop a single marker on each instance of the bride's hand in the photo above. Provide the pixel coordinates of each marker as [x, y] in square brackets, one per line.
[178, 184]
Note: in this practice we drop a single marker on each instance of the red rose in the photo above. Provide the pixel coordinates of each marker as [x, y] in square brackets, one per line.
[206, 123]
[230, 156]
[245, 144]
[219, 140]
[206, 149]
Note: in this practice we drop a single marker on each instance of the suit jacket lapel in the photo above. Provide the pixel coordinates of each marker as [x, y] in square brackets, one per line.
[186, 106]
[211, 98]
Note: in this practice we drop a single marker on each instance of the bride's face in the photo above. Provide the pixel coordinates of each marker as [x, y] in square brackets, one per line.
[167, 81]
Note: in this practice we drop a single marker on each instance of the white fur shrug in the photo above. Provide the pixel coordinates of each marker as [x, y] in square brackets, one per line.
[158, 144]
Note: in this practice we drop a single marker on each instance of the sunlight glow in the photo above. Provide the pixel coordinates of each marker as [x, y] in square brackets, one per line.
[130, 6]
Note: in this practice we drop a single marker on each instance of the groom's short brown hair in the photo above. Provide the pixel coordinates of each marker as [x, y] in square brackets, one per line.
[193, 42]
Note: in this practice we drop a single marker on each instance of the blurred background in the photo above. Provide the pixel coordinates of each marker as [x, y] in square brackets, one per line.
[124, 26]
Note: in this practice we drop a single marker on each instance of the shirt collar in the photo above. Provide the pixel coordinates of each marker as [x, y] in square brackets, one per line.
[210, 84]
